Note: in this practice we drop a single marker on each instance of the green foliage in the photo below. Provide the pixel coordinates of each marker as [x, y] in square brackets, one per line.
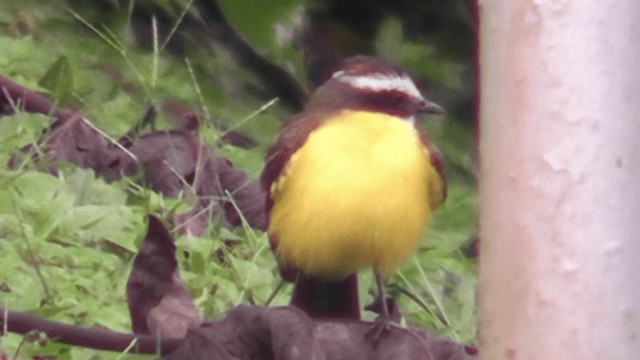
[23, 129]
[58, 80]
[67, 241]
[257, 20]
[67, 245]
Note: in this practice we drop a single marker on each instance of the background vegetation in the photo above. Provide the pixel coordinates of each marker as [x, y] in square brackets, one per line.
[67, 241]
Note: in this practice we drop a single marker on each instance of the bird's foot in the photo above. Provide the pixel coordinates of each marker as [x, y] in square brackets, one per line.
[381, 325]
[377, 307]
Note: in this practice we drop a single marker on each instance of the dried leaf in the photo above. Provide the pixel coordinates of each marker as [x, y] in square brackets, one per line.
[287, 333]
[159, 302]
[176, 161]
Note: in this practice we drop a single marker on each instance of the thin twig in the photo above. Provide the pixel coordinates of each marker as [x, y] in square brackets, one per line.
[196, 87]
[285, 86]
[176, 25]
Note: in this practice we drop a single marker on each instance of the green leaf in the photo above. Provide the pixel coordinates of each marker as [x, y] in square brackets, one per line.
[58, 80]
[256, 19]
[15, 52]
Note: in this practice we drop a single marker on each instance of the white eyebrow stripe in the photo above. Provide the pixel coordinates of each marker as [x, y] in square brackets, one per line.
[380, 83]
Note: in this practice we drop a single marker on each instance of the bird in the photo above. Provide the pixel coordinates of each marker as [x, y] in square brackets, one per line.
[352, 180]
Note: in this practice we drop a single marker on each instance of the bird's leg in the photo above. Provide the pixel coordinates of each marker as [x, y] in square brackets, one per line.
[383, 322]
[382, 294]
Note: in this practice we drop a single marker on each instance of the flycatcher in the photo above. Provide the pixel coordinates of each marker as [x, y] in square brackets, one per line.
[352, 180]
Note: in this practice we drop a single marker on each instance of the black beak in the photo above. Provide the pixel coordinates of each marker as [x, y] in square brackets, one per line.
[431, 108]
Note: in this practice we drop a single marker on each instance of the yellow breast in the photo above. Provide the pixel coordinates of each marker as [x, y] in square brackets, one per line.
[356, 194]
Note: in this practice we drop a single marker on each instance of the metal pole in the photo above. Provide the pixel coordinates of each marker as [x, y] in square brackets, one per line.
[559, 263]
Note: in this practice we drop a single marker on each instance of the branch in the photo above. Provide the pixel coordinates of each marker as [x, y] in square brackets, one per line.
[22, 323]
[280, 81]
[15, 96]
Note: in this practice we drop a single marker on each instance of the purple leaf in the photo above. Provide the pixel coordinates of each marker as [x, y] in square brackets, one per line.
[159, 302]
[176, 161]
[287, 333]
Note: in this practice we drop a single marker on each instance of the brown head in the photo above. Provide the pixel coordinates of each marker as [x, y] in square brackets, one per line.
[368, 83]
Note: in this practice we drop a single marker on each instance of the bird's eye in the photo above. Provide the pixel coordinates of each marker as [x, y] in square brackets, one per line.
[396, 99]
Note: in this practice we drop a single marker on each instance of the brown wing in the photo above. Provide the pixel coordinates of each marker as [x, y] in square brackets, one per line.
[291, 137]
[294, 133]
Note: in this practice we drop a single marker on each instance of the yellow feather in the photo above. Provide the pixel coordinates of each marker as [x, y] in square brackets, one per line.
[356, 194]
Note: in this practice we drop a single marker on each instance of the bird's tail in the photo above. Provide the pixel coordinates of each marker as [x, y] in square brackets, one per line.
[327, 300]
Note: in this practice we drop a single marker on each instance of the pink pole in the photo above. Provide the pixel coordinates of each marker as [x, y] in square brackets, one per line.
[559, 263]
